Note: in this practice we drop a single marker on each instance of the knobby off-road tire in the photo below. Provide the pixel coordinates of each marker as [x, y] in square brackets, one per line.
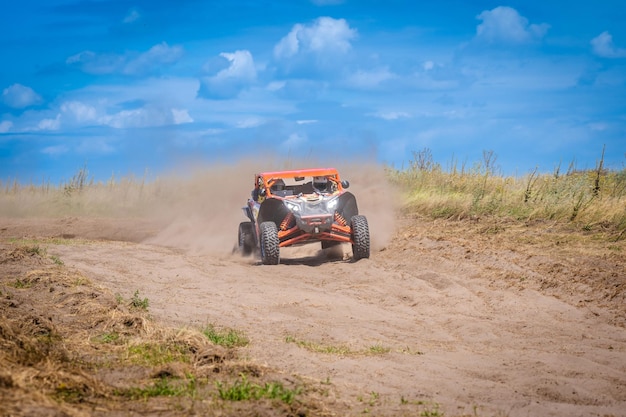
[246, 238]
[270, 251]
[360, 238]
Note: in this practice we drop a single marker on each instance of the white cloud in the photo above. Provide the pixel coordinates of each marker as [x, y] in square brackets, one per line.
[132, 16]
[276, 85]
[136, 118]
[603, 46]
[160, 54]
[5, 126]
[392, 115]
[148, 116]
[428, 65]
[79, 111]
[250, 122]
[228, 82]
[55, 150]
[370, 79]
[50, 124]
[306, 122]
[241, 66]
[181, 116]
[505, 25]
[97, 64]
[19, 96]
[324, 35]
[130, 63]
[289, 45]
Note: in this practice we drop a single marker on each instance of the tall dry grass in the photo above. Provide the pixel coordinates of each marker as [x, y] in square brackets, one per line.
[587, 199]
[77, 196]
[590, 198]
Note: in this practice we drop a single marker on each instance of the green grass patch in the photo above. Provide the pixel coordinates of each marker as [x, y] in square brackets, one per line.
[244, 390]
[57, 260]
[69, 394]
[19, 283]
[108, 337]
[378, 350]
[319, 347]
[340, 350]
[163, 387]
[225, 337]
[153, 354]
[35, 250]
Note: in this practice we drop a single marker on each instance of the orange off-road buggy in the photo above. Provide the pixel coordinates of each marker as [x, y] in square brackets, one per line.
[301, 206]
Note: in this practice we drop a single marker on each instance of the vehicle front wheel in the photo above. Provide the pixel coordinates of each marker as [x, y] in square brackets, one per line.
[270, 251]
[246, 239]
[360, 237]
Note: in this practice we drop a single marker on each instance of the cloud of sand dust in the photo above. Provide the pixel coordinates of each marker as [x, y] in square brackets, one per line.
[196, 208]
[201, 211]
[376, 198]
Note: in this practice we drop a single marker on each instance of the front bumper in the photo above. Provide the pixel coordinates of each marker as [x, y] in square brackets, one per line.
[327, 227]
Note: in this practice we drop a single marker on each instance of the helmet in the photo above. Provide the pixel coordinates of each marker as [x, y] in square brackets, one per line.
[320, 184]
[278, 185]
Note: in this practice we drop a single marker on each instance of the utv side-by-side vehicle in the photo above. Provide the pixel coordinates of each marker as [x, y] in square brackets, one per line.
[301, 206]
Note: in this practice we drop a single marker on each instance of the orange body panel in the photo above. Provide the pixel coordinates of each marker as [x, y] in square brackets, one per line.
[268, 177]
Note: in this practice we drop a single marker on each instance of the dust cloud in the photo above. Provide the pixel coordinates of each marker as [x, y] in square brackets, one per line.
[200, 211]
[195, 207]
[377, 199]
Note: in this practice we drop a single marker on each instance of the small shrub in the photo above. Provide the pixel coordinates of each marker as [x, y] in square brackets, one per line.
[138, 302]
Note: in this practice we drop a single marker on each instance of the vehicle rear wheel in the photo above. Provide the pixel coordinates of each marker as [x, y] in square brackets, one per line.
[360, 237]
[246, 238]
[270, 251]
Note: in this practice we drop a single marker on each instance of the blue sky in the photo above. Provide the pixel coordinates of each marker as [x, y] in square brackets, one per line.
[127, 87]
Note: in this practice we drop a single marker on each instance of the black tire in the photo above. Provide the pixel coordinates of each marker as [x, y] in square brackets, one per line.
[270, 251]
[246, 239]
[360, 238]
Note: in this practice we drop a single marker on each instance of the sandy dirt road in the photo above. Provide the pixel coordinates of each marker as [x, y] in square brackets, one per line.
[464, 325]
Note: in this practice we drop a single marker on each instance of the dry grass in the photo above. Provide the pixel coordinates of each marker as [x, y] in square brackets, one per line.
[593, 199]
[68, 347]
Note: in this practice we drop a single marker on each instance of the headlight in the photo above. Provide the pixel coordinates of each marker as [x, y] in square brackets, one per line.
[292, 206]
[330, 205]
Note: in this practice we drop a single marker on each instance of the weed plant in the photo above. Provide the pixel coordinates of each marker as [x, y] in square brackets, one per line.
[139, 303]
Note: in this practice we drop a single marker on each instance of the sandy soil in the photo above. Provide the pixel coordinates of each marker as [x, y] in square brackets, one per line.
[495, 320]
